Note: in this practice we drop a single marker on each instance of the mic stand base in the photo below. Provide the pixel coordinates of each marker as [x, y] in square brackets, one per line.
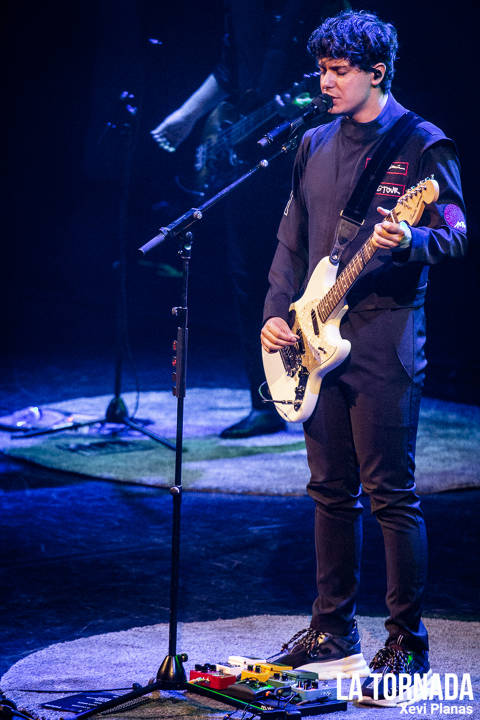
[116, 410]
[171, 673]
[116, 413]
[171, 676]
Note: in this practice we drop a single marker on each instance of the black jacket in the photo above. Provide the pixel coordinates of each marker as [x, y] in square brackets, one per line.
[329, 162]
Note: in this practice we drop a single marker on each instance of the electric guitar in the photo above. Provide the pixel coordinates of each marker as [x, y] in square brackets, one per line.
[294, 374]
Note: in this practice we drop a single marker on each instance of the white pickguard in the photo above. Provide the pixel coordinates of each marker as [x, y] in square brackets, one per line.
[324, 349]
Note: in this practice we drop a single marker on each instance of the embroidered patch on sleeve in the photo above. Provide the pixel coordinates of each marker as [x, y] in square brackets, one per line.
[287, 206]
[386, 189]
[454, 217]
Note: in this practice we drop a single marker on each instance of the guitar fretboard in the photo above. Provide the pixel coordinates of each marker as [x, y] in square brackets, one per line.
[348, 276]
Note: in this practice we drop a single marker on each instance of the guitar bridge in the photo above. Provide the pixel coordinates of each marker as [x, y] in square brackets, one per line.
[292, 355]
[290, 359]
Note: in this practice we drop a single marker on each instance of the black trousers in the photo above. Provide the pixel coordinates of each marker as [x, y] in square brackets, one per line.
[362, 437]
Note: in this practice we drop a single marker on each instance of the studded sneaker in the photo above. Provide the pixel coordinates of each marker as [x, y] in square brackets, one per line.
[325, 654]
[397, 676]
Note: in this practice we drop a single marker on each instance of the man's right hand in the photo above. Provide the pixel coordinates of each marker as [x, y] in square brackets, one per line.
[276, 334]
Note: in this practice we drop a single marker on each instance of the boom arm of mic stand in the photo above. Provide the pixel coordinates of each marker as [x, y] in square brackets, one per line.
[178, 226]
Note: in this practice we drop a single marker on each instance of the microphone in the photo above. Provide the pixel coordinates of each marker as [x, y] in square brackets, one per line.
[320, 105]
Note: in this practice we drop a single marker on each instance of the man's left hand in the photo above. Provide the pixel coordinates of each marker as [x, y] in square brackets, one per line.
[391, 235]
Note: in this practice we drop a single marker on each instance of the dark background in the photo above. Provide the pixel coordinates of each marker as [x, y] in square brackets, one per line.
[68, 63]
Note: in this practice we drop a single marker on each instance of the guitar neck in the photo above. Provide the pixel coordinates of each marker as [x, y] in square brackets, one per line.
[348, 276]
[246, 125]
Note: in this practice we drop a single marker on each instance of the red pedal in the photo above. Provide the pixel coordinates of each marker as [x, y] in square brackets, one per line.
[212, 679]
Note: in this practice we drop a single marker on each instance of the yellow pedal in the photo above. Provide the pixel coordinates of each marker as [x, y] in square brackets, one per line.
[275, 667]
[262, 676]
[263, 671]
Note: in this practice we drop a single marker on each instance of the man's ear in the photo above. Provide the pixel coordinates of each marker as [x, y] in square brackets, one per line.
[378, 72]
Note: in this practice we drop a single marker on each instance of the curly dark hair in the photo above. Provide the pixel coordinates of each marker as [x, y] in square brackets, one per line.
[359, 37]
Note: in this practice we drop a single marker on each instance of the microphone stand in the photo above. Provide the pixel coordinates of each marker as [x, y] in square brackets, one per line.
[171, 674]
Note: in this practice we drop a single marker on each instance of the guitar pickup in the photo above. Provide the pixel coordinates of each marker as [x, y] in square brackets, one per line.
[300, 343]
[316, 329]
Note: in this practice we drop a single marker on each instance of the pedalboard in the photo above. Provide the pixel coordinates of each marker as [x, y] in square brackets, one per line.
[267, 690]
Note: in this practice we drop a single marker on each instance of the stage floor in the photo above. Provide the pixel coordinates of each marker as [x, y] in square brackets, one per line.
[81, 557]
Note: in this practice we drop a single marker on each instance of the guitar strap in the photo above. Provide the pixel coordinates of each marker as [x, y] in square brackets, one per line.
[353, 215]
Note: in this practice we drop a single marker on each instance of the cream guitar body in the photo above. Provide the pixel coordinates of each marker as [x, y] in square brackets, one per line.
[295, 374]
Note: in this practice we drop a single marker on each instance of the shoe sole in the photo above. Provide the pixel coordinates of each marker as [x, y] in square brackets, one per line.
[406, 698]
[345, 667]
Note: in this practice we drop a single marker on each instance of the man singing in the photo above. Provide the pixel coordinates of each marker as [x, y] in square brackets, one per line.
[361, 436]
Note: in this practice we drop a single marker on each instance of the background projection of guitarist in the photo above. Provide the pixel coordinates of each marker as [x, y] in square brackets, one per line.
[263, 54]
[362, 433]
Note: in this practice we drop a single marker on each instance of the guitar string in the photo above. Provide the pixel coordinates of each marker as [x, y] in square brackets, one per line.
[231, 133]
[352, 271]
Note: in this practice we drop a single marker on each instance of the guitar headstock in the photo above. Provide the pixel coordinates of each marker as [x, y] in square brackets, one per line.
[411, 205]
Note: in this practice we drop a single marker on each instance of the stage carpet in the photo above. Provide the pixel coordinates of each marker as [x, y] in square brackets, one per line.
[116, 660]
[448, 448]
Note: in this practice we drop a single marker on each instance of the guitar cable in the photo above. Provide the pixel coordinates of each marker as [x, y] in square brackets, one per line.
[270, 399]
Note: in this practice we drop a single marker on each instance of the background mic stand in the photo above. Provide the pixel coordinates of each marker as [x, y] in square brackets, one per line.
[117, 412]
